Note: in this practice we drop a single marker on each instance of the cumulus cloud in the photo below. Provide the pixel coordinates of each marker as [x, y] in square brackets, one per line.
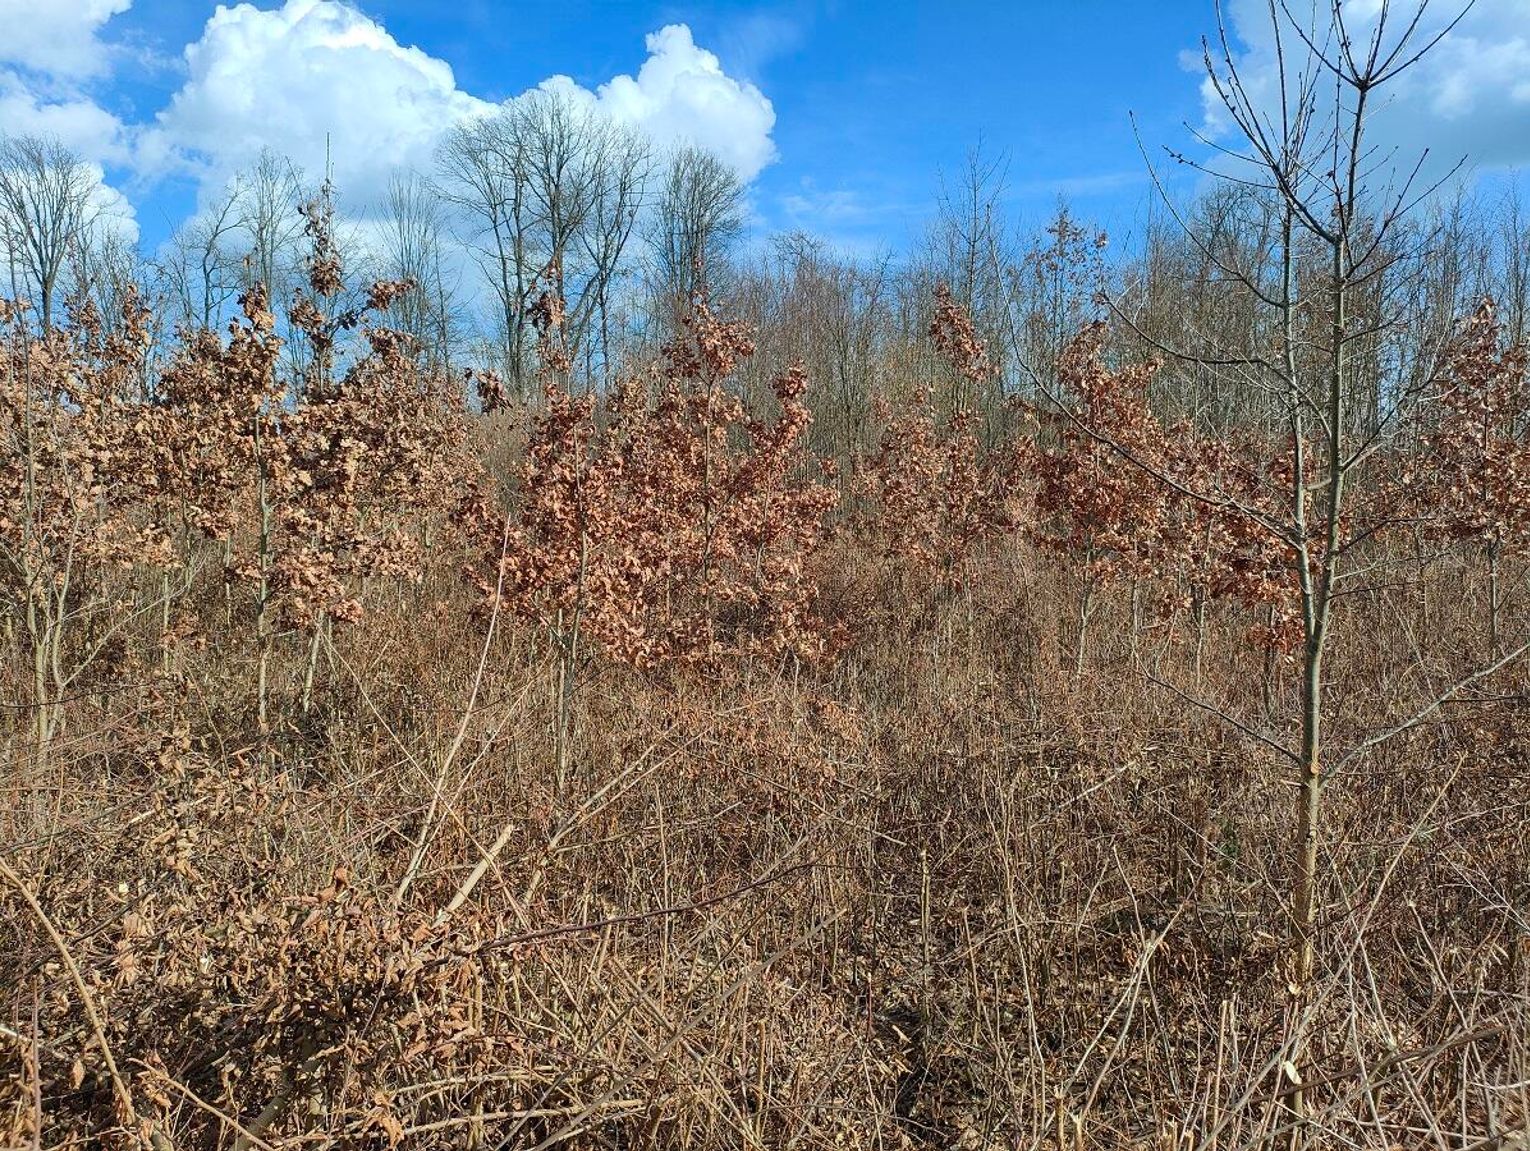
[49, 55]
[311, 71]
[681, 95]
[313, 79]
[294, 78]
[1470, 95]
[72, 118]
[111, 212]
[57, 38]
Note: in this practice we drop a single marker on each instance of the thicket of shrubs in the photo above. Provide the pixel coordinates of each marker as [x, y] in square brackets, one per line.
[995, 720]
[667, 788]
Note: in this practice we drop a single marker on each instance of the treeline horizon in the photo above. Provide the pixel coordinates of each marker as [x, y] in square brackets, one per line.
[546, 192]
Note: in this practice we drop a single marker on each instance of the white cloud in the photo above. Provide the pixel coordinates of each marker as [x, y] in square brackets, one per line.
[1470, 95]
[291, 77]
[1475, 86]
[682, 95]
[57, 37]
[310, 76]
[286, 78]
[49, 53]
[72, 118]
[112, 211]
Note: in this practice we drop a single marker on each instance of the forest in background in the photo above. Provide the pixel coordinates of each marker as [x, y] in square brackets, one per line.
[528, 667]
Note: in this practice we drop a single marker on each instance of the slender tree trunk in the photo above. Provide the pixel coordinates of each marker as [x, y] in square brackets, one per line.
[42, 708]
[1136, 620]
[567, 681]
[1495, 603]
[263, 637]
[164, 622]
[1085, 611]
[1308, 814]
[567, 635]
[312, 668]
[1200, 635]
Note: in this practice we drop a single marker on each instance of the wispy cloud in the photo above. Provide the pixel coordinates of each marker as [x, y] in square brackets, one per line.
[752, 42]
[1080, 186]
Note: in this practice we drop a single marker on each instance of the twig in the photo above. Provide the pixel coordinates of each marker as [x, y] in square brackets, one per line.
[97, 1026]
[196, 1100]
[1491, 1031]
[1429, 709]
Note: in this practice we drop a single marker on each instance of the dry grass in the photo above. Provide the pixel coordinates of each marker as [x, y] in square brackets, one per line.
[937, 893]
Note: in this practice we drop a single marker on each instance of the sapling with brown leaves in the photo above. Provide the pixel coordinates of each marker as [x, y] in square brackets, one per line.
[77, 503]
[671, 529]
[934, 495]
[334, 475]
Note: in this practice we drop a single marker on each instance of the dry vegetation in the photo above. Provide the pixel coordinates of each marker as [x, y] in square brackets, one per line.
[931, 718]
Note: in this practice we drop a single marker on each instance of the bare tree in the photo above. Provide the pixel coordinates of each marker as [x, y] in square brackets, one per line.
[413, 249]
[550, 192]
[619, 196]
[268, 196]
[832, 314]
[563, 148]
[969, 248]
[1050, 292]
[201, 269]
[697, 219]
[46, 209]
[1514, 287]
[1339, 210]
[1186, 295]
[481, 167]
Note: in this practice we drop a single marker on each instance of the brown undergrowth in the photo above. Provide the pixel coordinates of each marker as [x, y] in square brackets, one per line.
[846, 837]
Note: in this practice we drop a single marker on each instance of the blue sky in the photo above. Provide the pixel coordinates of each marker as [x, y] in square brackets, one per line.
[844, 116]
